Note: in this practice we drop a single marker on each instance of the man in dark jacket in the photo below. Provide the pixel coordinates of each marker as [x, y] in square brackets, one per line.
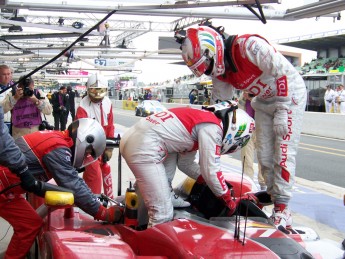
[71, 98]
[60, 102]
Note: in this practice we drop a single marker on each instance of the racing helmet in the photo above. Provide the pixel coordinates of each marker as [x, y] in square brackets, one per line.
[238, 126]
[97, 87]
[203, 51]
[89, 141]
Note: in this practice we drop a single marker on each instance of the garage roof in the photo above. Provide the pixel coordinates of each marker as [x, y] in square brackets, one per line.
[318, 41]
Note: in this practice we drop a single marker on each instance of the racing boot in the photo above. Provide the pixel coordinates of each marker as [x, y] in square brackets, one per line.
[281, 217]
[178, 202]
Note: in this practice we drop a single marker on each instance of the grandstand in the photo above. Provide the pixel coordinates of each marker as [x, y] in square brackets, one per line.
[326, 69]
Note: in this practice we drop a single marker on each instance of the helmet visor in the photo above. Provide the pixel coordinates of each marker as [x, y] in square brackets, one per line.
[200, 66]
[97, 93]
[89, 157]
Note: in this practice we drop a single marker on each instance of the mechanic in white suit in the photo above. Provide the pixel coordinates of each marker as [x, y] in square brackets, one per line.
[328, 97]
[97, 105]
[340, 99]
[147, 144]
[250, 63]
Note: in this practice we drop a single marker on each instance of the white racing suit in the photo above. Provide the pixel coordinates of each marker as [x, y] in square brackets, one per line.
[329, 96]
[341, 104]
[278, 87]
[147, 144]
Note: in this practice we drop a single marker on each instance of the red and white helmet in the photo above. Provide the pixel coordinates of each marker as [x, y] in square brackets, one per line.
[203, 51]
[238, 126]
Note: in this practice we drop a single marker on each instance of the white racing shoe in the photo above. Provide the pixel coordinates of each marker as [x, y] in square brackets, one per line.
[281, 217]
[178, 202]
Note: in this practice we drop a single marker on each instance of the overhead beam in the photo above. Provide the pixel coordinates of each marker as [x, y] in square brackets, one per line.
[316, 9]
[107, 6]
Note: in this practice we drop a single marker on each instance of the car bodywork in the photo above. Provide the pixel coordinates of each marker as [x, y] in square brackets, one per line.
[148, 107]
[70, 233]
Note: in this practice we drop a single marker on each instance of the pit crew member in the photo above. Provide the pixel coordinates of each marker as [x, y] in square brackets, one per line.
[57, 155]
[147, 144]
[248, 62]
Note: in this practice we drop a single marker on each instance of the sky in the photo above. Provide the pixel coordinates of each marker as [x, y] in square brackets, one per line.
[159, 71]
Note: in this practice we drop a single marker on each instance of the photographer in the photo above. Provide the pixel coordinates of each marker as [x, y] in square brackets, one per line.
[60, 102]
[26, 104]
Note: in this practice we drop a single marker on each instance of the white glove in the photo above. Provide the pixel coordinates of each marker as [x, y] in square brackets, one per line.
[280, 123]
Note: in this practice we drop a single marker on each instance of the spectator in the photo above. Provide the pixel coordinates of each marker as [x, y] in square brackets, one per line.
[56, 155]
[26, 104]
[147, 144]
[5, 82]
[120, 96]
[149, 95]
[60, 104]
[159, 97]
[328, 97]
[97, 105]
[248, 151]
[192, 96]
[71, 98]
[49, 96]
[249, 62]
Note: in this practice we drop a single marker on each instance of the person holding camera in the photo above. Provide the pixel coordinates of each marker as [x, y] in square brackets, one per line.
[60, 102]
[26, 105]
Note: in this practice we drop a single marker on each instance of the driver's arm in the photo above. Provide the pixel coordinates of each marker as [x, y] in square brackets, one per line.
[210, 142]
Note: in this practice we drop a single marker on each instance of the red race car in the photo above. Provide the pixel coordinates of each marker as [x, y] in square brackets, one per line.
[199, 231]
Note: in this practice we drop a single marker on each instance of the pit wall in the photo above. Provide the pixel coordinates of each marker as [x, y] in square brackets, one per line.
[314, 123]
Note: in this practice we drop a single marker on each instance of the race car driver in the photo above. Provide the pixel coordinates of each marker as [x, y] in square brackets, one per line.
[57, 155]
[147, 144]
[97, 105]
[250, 63]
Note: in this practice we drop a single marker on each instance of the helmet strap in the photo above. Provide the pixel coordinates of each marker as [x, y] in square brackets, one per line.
[223, 115]
[228, 53]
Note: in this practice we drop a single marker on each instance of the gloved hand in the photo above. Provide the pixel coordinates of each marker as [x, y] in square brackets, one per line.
[229, 203]
[108, 153]
[280, 123]
[112, 214]
[30, 184]
[250, 197]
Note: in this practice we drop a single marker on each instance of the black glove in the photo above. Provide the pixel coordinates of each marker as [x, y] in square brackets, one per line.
[30, 184]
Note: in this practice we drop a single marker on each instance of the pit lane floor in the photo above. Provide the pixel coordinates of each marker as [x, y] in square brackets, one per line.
[316, 205]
